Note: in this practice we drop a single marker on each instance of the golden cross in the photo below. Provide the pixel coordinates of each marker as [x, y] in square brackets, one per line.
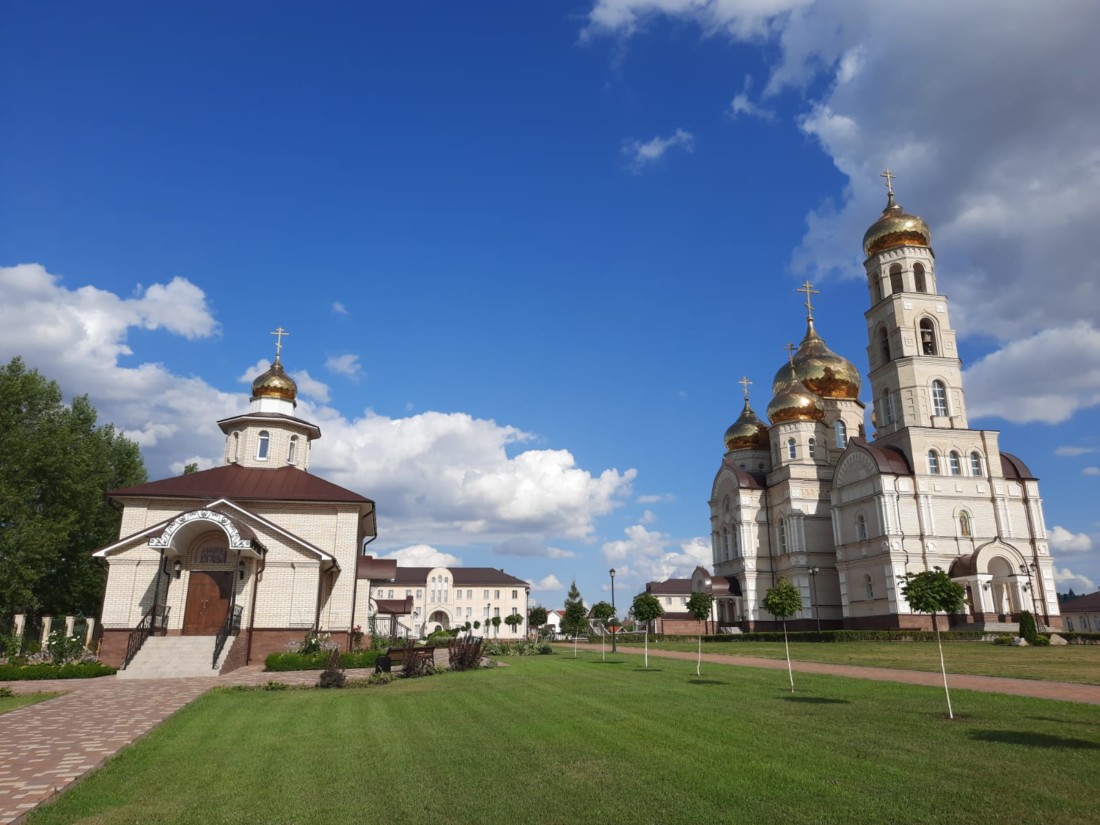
[809, 290]
[889, 180]
[790, 348]
[279, 333]
[745, 382]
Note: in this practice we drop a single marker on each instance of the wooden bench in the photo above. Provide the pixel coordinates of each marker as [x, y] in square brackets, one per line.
[402, 655]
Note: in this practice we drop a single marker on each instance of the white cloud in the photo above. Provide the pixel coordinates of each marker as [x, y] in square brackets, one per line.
[310, 387]
[1091, 471]
[743, 20]
[1073, 452]
[1067, 579]
[655, 498]
[525, 547]
[339, 308]
[423, 555]
[347, 364]
[645, 555]
[1063, 541]
[743, 105]
[1063, 376]
[648, 517]
[639, 154]
[548, 583]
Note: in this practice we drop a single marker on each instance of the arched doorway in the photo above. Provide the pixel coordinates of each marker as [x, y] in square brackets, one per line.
[1005, 590]
[438, 620]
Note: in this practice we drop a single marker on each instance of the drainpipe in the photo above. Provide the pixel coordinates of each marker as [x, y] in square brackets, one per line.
[261, 563]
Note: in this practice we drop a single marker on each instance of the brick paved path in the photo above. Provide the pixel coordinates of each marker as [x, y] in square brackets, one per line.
[46, 747]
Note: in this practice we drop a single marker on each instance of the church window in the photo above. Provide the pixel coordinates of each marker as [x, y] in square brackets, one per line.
[887, 406]
[918, 276]
[861, 527]
[928, 337]
[895, 279]
[876, 286]
[841, 435]
[884, 345]
[954, 463]
[390, 596]
[264, 445]
[514, 596]
[292, 453]
[964, 524]
[933, 463]
[870, 585]
[975, 463]
[236, 447]
[469, 594]
[792, 448]
[939, 398]
[812, 448]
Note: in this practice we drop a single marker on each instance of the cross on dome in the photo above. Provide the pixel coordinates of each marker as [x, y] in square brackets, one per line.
[745, 383]
[890, 176]
[279, 333]
[809, 290]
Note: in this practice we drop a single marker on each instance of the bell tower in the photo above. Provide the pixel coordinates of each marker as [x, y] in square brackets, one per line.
[916, 375]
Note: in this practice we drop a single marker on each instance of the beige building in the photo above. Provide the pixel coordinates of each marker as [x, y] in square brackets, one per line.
[1082, 614]
[809, 497]
[247, 557]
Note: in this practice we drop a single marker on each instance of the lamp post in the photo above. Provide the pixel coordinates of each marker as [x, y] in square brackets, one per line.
[1026, 569]
[813, 595]
[614, 646]
[488, 611]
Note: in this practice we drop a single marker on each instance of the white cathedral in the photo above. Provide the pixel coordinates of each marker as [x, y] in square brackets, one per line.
[810, 498]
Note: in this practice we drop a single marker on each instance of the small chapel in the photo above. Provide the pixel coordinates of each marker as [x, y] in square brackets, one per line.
[808, 496]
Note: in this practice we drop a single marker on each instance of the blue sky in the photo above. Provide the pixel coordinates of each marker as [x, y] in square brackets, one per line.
[526, 251]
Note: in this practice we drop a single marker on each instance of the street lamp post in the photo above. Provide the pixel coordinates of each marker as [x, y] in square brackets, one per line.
[813, 595]
[614, 646]
[1027, 568]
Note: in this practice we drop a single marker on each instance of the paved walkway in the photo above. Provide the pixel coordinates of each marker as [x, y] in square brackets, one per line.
[44, 748]
[1063, 691]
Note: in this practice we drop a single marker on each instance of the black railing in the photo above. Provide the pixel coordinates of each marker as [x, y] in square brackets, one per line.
[230, 627]
[156, 619]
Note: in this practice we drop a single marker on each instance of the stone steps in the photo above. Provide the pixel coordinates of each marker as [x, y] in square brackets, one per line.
[174, 657]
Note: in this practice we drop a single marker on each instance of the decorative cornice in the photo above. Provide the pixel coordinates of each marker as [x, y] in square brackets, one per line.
[236, 542]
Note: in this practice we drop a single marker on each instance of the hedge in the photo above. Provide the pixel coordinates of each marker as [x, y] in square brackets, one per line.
[1076, 637]
[76, 670]
[845, 636]
[316, 661]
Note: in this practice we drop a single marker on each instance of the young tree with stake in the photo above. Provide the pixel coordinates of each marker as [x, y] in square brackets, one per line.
[647, 609]
[932, 591]
[783, 600]
[602, 612]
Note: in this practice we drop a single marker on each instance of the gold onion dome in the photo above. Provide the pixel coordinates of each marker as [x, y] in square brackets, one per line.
[820, 369]
[748, 432]
[275, 383]
[895, 228]
[793, 402]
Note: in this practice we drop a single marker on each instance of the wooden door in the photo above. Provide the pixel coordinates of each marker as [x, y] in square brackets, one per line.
[208, 595]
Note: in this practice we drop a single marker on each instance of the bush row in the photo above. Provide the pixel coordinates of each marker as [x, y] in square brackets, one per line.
[842, 636]
[517, 648]
[78, 670]
[316, 661]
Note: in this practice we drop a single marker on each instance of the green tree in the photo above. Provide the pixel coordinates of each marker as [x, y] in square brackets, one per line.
[575, 620]
[537, 617]
[55, 465]
[496, 625]
[699, 606]
[513, 620]
[783, 600]
[193, 467]
[602, 612]
[932, 591]
[647, 609]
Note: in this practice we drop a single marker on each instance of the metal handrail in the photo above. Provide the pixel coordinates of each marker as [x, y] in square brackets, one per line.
[148, 625]
[230, 627]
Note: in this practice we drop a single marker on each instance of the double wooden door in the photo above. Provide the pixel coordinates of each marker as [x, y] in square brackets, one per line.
[208, 594]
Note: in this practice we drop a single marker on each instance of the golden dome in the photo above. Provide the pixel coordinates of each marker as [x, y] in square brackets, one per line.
[896, 227]
[821, 370]
[793, 402]
[748, 432]
[275, 383]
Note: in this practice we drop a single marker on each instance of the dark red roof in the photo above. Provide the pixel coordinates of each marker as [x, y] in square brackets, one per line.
[745, 479]
[672, 587]
[461, 576]
[889, 459]
[278, 418]
[1081, 604]
[244, 484]
[1014, 469]
[395, 607]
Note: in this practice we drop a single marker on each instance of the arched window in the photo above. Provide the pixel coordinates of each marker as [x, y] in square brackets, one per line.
[811, 447]
[954, 463]
[887, 406]
[735, 545]
[883, 345]
[292, 452]
[861, 527]
[975, 463]
[264, 445]
[870, 585]
[841, 434]
[928, 337]
[964, 524]
[933, 463]
[918, 276]
[896, 285]
[792, 448]
[236, 450]
[782, 535]
[939, 398]
[876, 287]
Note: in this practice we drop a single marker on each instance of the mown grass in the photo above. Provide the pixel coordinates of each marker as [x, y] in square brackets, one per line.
[1071, 663]
[555, 739]
[21, 700]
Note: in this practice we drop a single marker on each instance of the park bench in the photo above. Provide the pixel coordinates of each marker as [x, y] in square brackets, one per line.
[401, 656]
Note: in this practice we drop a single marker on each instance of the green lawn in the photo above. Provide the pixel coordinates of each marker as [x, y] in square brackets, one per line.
[1072, 663]
[554, 739]
[20, 700]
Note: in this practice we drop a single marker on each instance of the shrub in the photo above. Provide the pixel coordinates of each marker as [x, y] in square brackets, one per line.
[73, 670]
[277, 662]
[1002, 639]
[64, 648]
[465, 654]
[416, 666]
[440, 638]
[333, 675]
[6, 692]
[379, 678]
[520, 647]
[1028, 630]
